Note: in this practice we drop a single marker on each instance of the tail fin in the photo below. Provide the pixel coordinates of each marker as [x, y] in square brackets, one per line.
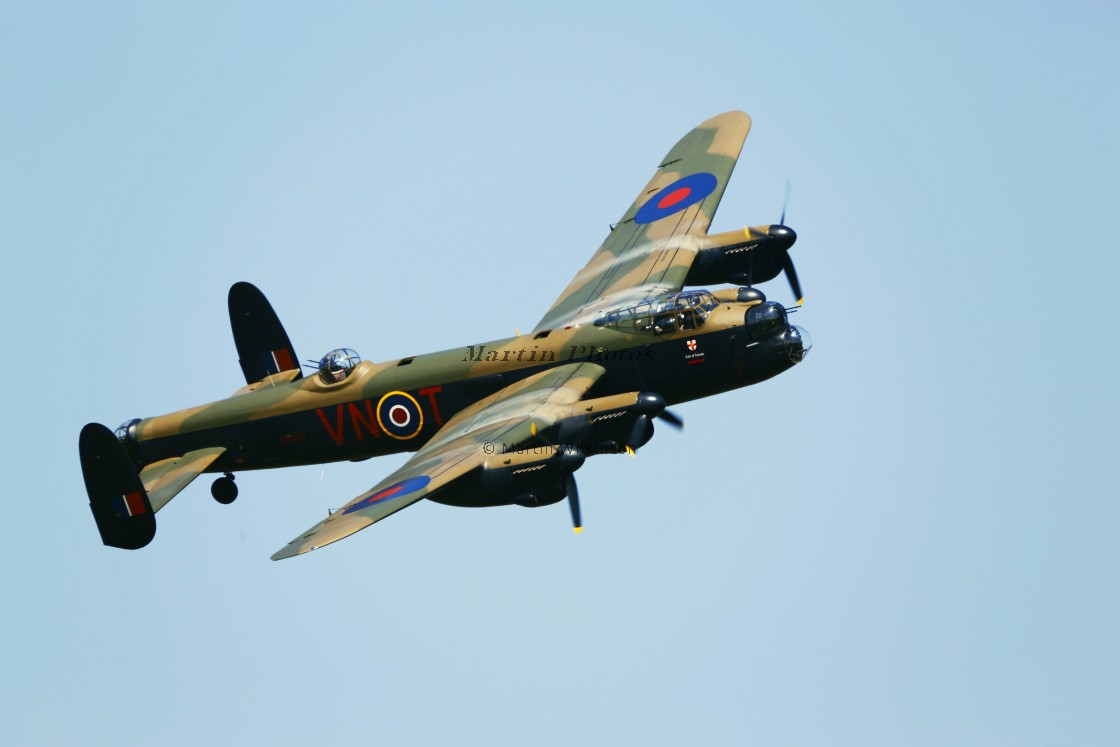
[117, 498]
[262, 344]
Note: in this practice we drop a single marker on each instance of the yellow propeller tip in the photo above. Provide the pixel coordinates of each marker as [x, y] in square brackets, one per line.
[800, 301]
[629, 451]
[577, 530]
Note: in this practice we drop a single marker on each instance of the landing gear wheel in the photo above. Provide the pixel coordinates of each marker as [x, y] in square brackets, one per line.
[224, 490]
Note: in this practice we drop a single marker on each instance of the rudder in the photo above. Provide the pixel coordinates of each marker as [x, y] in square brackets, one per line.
[263, 347]
[117, 498]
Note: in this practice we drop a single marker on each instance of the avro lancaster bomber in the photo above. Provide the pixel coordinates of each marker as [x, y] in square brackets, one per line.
[491, 423]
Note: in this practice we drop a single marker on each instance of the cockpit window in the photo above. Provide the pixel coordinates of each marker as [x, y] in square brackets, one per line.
[336, 365]
[686, 310]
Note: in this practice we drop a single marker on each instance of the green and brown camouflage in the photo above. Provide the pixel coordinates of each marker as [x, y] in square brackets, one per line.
[638, 261]
[164, 479]
[501, 421]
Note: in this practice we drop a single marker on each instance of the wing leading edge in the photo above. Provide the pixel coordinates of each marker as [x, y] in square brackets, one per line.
[649, 251]
[509, 416]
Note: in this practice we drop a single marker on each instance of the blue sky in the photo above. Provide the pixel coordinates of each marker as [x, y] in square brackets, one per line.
[910, 539]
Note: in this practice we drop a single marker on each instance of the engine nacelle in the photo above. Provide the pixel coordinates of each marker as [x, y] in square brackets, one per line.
[531, 476]
[608, 425]
[734, 260]
[539, 472]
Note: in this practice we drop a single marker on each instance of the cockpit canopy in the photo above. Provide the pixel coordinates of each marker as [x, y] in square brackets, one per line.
[685, 310]
[336, 365]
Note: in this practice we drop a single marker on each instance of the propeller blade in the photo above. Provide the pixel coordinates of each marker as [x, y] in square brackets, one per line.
[672, 419]
[573, 501]
[791, 276]
[785, 203]
[640, 433]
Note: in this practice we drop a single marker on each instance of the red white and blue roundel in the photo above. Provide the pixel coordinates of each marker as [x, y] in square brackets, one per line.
[399, 415]
[404, 487]
[681, 194]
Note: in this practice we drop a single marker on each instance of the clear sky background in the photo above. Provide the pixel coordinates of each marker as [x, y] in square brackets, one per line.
[910, 539]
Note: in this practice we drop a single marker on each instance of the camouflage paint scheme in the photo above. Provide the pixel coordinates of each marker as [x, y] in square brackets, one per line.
[507, 421]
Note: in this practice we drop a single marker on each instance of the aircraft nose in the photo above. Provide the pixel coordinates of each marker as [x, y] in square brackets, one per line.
[797, 343]
[784, 235]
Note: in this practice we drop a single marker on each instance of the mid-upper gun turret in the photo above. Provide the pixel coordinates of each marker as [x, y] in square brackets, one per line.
[337, 365]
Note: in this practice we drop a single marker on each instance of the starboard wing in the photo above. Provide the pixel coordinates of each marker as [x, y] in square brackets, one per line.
[509, 416]
[649, 251]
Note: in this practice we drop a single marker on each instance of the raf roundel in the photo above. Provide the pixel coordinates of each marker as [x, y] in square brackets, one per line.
[404, 487]
[681, 194]
[399, 415]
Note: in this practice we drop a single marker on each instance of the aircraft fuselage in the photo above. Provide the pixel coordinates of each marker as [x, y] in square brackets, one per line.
[396, 406]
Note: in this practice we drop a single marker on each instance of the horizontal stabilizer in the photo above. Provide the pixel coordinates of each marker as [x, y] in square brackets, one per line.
[166, 479]
[263, 347]
[117, 498]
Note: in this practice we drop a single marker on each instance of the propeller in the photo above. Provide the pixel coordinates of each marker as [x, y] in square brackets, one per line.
[650, 405]
[672, 419]
[573, 501]
[787, 234]
[791, 276]
[572, 459]
[640, 433]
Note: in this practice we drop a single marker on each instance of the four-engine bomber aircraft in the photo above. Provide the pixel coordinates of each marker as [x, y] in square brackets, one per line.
[494, 423]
